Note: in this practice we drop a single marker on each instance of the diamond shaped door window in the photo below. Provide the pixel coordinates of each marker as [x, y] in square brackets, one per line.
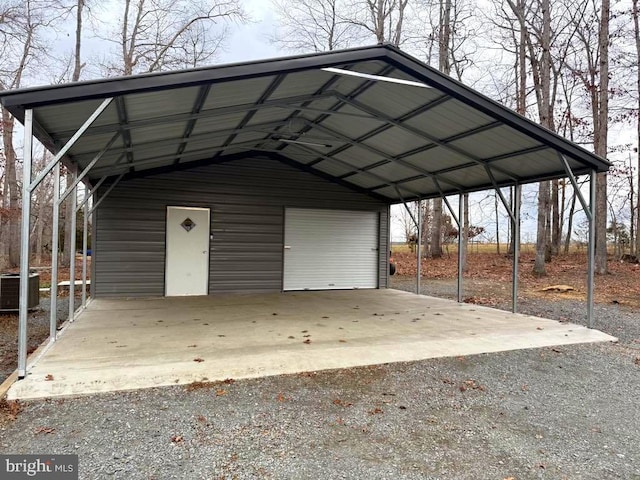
[188, 224]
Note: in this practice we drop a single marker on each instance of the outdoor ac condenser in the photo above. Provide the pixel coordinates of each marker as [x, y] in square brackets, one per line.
[10, 291]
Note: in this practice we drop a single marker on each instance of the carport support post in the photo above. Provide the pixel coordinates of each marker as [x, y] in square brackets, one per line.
[592, 247]
[55, 240]
[516, 246]
[72, 258]
[24, 243]
[85, 241]
[418, 245]
[460, 227]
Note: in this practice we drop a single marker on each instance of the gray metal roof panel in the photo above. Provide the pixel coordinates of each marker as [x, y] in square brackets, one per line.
[449, 118]
[156, 115]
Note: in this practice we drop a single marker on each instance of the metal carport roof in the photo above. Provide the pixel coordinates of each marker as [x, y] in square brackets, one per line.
[373, 118]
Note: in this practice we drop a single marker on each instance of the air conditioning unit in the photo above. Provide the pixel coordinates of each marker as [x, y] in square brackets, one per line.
[10, 291]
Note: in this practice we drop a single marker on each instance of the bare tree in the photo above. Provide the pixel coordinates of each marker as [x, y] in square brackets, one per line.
[384, 19]
[21, 24]
[156, 35]
[314, 25]
[591, 66]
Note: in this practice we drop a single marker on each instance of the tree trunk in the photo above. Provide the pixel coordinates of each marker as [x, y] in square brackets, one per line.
[543, 215]
[556, 231]
[636, 29]
[65, 258]
[444, 63]
[436, 229]
[600, 139]
[12, 191]
[567, 241]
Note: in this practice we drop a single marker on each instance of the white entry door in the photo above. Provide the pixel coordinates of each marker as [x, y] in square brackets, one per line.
[187, 256]
[330, 249]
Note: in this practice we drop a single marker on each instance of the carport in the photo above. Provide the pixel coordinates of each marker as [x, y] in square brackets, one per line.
[257, 166]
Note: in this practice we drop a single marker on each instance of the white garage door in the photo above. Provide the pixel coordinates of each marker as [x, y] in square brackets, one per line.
[330, 249]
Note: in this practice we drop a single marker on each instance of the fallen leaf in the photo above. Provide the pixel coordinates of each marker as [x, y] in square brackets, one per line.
[281, 398]
[342, 341]
[375, 411]
[199, 360]
[540, 328]
[192, 346]
[291, 337]
[220, 392]
[177, 438]
[48, 378]
[342, 403]
[228, 381]
[307, 341]
[44, 430]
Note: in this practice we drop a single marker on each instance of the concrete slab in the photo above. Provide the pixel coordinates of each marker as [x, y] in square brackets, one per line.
[129, 344]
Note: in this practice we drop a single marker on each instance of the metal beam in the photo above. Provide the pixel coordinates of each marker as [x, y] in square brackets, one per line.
[203, 93]
[88, 168]
[111, 187]
[123, 120]
[336, 106]
[214, 112]
[592, 247]
[422, 134]
[346, 164]
[516, 247]
[496, 187]
[275, 83]
[461, 214]
[419, 249]
[76, 136]
[200, 154]
[72, 258]
[92, 192]
[141, 148]
[85, 241]
[24, 243]
[407, 116]
[382, 154]
[590, 212]
[576, 187]
[55, 247]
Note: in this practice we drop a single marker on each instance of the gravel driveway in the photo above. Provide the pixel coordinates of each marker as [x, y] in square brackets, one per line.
[568, 412]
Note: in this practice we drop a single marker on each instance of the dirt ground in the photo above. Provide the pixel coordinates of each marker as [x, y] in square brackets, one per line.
[38, 322]
[493, 273]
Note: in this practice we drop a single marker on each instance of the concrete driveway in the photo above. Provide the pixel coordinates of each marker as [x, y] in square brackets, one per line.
[128, 344]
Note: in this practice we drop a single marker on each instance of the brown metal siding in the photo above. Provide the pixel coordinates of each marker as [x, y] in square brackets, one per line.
[247, 200]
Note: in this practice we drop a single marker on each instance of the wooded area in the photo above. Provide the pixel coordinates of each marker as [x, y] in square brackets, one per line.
[571, 65]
